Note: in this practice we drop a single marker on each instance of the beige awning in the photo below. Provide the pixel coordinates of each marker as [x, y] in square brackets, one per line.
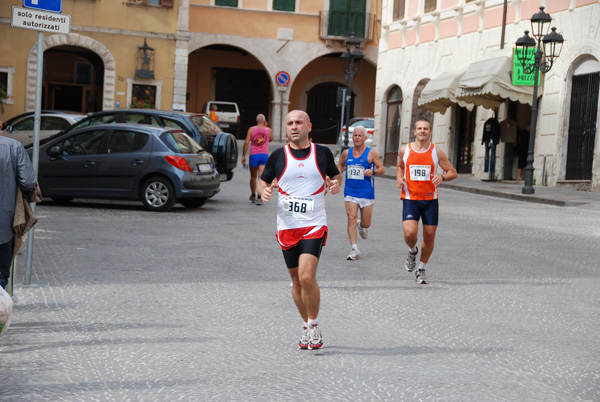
[438, 94]
[488, 82]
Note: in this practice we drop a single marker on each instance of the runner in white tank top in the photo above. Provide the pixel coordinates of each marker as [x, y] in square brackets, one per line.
[303, 171]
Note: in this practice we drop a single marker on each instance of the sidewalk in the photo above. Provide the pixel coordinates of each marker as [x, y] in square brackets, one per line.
[512, 190]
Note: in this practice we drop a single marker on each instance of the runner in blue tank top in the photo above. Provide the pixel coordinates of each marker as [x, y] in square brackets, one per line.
[361, 164]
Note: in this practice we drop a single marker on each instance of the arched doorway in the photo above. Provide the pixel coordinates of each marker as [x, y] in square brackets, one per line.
[323, 112]
[392, 127]
[230, 74]
[73, 79]
[583, 120]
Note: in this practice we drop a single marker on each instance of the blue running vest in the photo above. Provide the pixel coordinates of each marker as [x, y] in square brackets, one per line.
[357, 184]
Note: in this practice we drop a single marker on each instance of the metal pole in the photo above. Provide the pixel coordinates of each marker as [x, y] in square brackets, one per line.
[36, 141]
[503, 24]
[281, 126]
[528, 187]
[341, 141]
[349, 103]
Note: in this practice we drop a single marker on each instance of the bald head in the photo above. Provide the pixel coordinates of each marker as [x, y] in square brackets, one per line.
[300, 113]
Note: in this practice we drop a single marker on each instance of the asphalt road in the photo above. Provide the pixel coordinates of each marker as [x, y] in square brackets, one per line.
[195, 305]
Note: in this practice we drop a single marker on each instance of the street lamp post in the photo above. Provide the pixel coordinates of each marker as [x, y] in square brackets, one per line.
[351, 60]
[552, 47]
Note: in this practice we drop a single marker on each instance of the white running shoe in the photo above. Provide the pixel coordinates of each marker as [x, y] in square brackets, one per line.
[363, 232]
[304, 339]
[354, 255]
[420, 277]
[411, 261]
[315, 339]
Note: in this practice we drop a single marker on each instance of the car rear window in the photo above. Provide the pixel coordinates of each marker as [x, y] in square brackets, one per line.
[364, 123]
[205, 125]
[180, 143]
[225, 107]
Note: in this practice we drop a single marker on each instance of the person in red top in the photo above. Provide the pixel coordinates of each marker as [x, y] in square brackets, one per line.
[417, 176]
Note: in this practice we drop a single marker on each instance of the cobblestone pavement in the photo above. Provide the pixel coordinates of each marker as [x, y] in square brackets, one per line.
[195, 305]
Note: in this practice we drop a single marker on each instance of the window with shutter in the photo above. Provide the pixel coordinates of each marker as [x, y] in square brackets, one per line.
[228, 3]
[284, 5]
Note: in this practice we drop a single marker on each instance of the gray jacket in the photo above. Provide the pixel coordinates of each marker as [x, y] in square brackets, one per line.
[15, 168]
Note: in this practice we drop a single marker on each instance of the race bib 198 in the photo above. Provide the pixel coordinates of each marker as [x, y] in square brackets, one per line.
[420, 172]
[355, 172]
[299, 207]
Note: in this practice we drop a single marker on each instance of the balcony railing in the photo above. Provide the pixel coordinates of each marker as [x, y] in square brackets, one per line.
[339, 24]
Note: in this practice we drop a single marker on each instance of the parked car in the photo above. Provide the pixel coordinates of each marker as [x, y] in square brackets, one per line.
[159, 166]
[366, 122]
[21, 127]
[222, 146]
[228, 114]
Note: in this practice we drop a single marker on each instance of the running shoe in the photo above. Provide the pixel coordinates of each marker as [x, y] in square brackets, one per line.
[363, 232]
[411, 261]
[420, 277]
[259, 201]
[315, 339]
[304, 339]
[354, 255]
[252, 198]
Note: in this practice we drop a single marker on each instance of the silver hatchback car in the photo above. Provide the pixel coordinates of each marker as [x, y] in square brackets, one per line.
[20, 127]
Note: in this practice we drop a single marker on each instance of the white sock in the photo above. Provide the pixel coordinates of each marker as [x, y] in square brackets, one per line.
[413, 250]
[422, 265]
[305, 325]
[355, 247]
[312, 323]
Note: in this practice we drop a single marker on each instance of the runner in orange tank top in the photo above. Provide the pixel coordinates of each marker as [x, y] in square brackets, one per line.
[416, 175]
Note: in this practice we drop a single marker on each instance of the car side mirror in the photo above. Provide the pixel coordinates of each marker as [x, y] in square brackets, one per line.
[54, 152]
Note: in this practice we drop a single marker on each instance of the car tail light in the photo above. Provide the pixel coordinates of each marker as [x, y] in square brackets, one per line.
[178, 162]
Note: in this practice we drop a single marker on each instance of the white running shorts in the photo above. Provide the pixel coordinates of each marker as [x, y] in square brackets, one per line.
[362, 202]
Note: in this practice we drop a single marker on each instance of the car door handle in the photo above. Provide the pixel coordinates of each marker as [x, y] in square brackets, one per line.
[137, 162]
[89, 163]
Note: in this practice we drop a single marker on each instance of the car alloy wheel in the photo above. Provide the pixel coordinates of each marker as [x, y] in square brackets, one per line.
[158, 194]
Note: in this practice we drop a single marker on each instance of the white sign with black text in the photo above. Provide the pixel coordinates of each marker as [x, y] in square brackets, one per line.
[40, 20]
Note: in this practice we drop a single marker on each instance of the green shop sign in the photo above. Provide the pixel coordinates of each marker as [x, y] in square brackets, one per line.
[519, 77]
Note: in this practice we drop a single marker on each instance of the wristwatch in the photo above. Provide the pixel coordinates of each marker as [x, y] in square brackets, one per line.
[443, 178]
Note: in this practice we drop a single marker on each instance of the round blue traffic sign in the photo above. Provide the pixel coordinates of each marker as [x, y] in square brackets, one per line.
[282, 78]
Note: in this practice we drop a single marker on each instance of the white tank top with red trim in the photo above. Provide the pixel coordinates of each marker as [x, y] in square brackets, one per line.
[301, 199]
[419, 169]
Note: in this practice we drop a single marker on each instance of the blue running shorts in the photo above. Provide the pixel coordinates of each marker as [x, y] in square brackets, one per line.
[258, 159]
[427, 210]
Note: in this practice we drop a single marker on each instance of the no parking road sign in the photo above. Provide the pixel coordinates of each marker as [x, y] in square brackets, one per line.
[46, 5]
[282, 78]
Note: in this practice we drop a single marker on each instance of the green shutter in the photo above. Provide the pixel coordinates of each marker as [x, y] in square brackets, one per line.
[347, 16]
[284, 5]
[228, 3]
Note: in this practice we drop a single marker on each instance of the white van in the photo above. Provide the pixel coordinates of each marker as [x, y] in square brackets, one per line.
[228, 113]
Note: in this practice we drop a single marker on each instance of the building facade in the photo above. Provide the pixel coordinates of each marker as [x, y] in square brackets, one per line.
[200, 50]
[117, 54]
[431, 49]
[237, 48]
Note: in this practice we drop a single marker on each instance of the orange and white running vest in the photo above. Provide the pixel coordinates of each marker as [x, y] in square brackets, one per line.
[419, 169]
[301, 199]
